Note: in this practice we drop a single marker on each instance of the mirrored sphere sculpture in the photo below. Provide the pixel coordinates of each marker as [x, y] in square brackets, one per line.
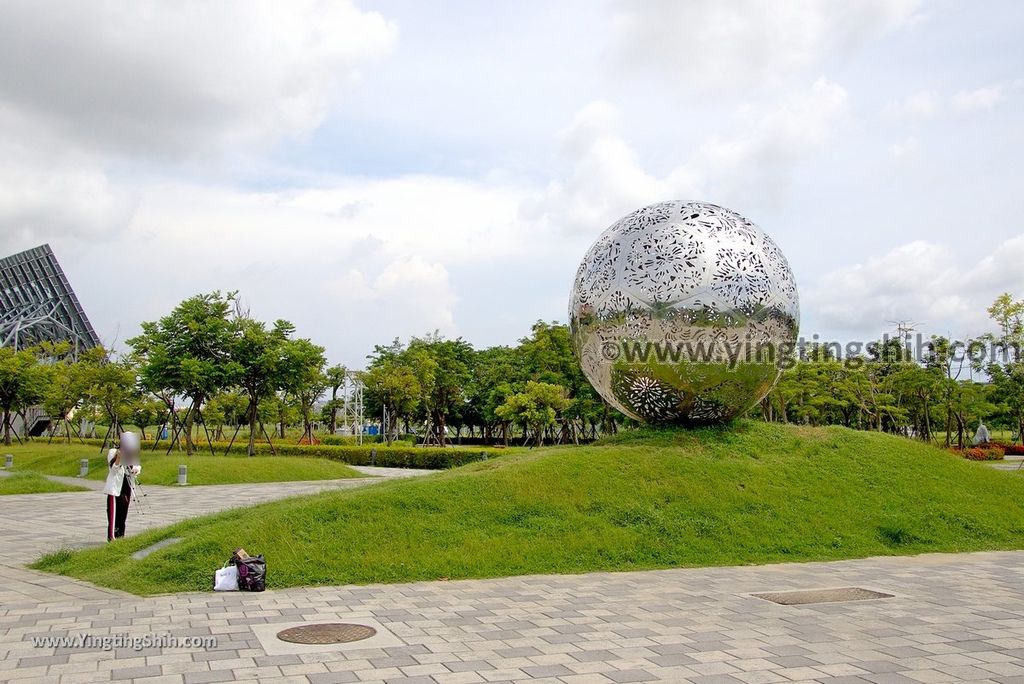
[684, 312]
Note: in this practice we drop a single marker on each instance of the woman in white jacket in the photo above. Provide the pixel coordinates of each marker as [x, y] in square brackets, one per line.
[123, 464]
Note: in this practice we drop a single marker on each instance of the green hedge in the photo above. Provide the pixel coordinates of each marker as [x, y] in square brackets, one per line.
[395, 456]
[389, 457]
[349, 440]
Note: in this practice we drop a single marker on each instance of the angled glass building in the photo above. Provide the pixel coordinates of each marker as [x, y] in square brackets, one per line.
[37, 303]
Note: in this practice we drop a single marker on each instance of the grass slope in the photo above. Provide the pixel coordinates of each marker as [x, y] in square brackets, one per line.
[751, 494]
[27, 482]
[161, 469]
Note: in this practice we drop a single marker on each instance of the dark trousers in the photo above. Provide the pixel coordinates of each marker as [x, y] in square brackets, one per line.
[117, 511]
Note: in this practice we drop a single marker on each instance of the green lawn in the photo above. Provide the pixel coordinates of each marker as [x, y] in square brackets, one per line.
[755, 493]
[27, 482]
[160, 469]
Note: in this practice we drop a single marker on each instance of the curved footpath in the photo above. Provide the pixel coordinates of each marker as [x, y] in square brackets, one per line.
[953, 618]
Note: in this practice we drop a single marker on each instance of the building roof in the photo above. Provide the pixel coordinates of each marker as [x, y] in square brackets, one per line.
[37, 303]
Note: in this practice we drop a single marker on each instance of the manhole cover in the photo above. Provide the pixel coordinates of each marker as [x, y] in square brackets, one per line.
[798, 598]
[330, 633]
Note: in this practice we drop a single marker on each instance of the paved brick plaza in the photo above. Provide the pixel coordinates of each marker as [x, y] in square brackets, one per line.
[953, 617]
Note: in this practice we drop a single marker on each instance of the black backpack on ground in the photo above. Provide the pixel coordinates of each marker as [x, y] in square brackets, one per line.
[252, 573]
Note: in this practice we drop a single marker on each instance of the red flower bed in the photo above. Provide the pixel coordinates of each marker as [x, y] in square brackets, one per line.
[983, 454]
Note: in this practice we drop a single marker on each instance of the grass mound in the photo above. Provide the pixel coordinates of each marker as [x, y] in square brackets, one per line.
[27, 482]
[161, 469]
[752, 493]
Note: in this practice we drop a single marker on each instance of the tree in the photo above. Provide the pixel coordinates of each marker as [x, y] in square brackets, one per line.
[281, 410]
[446, 370]
[917, 390]
[536, 409]
[63, 393]
[304, 379]
[547, 356]
[259, 354]
[396, 388]
[188, 352]
[227, 408]
[1009, 316]
[109, 387]
[335, 380]
[1007, 372]
[22, 382]
[498, 373]
[145, 411]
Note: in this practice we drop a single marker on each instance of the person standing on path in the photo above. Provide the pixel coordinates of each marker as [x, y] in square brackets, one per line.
[123, 465]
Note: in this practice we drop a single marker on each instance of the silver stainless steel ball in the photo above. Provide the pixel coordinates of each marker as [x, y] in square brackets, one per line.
[684, 312]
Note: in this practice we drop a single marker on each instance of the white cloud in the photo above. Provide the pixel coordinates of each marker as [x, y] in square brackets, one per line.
[999, 271]
[605, 180]
[980, 99]
[411, 290]
[726, 45]
[352, 263]
[754, 159]
[68, 198]
[901, 284]
[94, 96]
[184, 78]
[757, 159]
[920, 105]
[927, 104]
[48, 189]
[432, 216]
[921, 281]
[907, 147]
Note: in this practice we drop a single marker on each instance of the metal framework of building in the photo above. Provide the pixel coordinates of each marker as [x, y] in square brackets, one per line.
[37, 303]
[351, 419]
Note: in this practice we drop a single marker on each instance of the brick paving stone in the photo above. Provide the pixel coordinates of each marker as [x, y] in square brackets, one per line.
[541, 671]
[696, 625]
[211, 676]
[334, 678]
[716, 679]
[624, 676]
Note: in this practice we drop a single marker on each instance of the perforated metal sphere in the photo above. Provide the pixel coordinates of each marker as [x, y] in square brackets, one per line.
[683, 312]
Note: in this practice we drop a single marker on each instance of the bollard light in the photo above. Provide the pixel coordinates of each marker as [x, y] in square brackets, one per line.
[83, 467]
[373, 456]
[183, 474]
[8, 460]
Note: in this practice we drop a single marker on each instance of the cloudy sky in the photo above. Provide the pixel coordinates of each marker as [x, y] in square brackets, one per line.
[376, 169]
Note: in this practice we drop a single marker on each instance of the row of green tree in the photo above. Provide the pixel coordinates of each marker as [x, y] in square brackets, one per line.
[535, 388]
[208, 364]
[941, 396]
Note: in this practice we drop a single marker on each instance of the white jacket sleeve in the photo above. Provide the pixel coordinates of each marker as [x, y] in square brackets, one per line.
[115, 475]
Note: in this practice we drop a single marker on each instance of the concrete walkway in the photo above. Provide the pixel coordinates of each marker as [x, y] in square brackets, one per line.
[952, 618]
[1009, 462]
[35, 524]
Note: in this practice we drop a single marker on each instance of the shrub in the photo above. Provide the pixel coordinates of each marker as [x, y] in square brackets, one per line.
[388, 457]
[395, 456]
[349, 440]
[983, 454]
[1014, 449]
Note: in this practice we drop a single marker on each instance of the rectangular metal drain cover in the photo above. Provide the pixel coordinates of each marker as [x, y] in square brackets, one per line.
[803, 597]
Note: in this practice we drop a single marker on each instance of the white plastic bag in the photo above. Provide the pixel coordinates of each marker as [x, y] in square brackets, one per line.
[226, 579]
